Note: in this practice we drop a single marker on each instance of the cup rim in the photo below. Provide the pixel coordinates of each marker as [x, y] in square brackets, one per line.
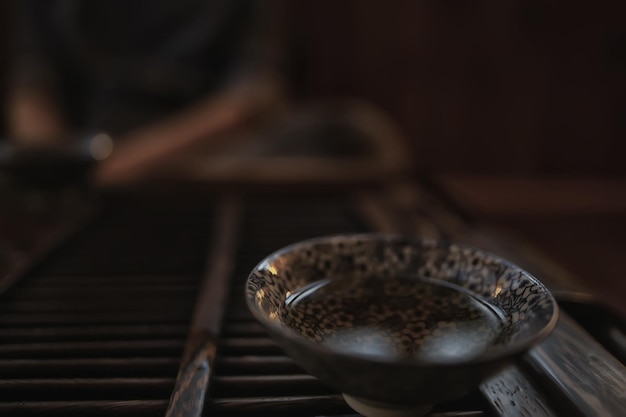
[499, 353]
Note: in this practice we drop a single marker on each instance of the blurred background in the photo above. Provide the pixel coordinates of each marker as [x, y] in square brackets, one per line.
[516, 87]
[517, 108]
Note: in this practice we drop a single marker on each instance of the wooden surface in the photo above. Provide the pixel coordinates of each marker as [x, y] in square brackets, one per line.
[512, 394]
[580, 372]
[59, 341]
[95, 328]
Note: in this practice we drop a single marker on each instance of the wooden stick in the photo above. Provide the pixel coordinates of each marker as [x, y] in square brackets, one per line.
[199, 357]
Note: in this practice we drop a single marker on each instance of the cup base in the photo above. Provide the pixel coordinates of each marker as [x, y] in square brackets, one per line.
[373, 409]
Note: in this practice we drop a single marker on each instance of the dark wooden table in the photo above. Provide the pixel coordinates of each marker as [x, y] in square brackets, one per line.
[140, 311]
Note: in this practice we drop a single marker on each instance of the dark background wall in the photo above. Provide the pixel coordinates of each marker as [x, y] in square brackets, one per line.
[515, 87]
[520, 87]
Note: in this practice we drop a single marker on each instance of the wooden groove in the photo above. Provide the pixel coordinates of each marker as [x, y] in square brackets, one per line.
[129, 292]
[311, 404]
[93, 319]
[251, 365]
[237, 301]
[44, 290]
[88, 367]
[85, 388]
[243, 329]
[132, 408]
[238, 307]
[268, 386]
[90, 333]
[238, 314]
[249, 346]
[92, 349]
[256, 385]
[105, 280]
[95, 305]
[255, 381]
[186, 266]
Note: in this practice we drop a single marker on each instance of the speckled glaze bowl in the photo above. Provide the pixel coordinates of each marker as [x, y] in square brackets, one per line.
[405, 381]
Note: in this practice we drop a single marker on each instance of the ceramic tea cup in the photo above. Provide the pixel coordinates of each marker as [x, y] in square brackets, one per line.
[398, 324]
